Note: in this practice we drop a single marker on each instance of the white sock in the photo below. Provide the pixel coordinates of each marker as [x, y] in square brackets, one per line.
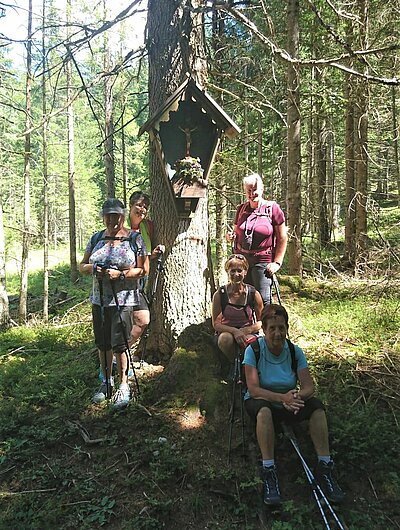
[325, 459]
[268, 463]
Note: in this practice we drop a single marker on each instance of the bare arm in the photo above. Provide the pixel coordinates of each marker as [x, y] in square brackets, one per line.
[291, 400]
[280, 249]
[307, 388]
[85, 267]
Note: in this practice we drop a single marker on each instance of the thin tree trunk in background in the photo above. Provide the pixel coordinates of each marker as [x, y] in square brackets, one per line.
[310, 197]
[362, 146]
[349, 152]
[71, 163]
[221, 205]
[246, 141]
[23, 299]
[333, 196]
[4, 306]
[124, 159]
[109, 162]
[260, 145]
[396, 133]
[45, 177]
[320, 162]
[293, 143]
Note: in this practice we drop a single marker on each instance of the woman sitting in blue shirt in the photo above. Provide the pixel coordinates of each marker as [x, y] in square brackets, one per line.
[273, 396]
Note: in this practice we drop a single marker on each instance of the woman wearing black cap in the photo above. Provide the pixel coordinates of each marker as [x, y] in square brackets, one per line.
[116, 265]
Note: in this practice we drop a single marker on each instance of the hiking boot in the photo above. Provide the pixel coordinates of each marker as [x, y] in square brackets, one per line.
[330, 487]
[101, 394]
[271, 493]
[121, 397]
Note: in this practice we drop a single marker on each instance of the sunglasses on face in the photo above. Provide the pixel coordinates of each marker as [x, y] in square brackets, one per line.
[237, 256]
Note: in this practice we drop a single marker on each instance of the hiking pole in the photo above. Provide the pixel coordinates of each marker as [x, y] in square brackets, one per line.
[237, 382]
[124, 334]
[316, 488]
[276, 287]
[152, 297]
[103, 323]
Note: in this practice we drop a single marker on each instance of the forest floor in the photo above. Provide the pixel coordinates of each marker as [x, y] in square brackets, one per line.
[163, 461]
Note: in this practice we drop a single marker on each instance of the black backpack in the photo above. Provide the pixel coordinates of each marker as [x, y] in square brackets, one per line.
[251, 299]
[256, 349]
[99, 235]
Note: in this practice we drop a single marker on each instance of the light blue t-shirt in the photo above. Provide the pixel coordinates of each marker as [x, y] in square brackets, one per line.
[275, 371]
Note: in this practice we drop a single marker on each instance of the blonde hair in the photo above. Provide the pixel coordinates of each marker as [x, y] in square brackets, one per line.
[237, 259]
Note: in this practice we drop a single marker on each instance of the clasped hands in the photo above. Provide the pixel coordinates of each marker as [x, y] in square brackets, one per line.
[292, 401]
[240, 337]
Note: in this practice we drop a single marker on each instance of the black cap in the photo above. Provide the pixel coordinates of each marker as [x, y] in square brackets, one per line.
[113, 206]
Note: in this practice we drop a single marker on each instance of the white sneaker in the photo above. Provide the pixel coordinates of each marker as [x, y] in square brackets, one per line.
[101, 394]
[121, 397]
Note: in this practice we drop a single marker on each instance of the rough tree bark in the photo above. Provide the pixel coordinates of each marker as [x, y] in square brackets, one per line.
[175, 46]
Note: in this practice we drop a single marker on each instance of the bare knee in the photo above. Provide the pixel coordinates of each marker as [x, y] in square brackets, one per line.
[226, 344]
[141, 318]
[264, 417]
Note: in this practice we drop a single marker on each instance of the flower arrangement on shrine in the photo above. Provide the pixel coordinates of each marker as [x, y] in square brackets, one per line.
[188, 171]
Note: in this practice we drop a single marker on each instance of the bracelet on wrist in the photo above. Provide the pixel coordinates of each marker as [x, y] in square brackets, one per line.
[278, 263]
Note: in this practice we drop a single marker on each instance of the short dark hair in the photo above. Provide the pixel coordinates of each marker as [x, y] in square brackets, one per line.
[138, 196]
[274, 310]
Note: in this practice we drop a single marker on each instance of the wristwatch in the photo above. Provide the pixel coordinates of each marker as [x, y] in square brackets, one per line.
[122, 276]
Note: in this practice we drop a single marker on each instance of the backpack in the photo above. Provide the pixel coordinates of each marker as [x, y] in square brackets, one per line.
[251, 299]
[255, 345]
[99, 235]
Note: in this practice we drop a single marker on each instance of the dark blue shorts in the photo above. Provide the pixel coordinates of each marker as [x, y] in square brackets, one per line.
[279, 415]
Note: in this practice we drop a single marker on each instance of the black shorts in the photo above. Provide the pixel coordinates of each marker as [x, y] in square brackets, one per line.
[143, 304]
[279, 415]
[112, 333]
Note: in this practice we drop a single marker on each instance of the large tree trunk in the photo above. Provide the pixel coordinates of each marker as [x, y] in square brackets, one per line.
[293, 140]
[175, 45]
[23, 299]
[4, 308]
[71, 165]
